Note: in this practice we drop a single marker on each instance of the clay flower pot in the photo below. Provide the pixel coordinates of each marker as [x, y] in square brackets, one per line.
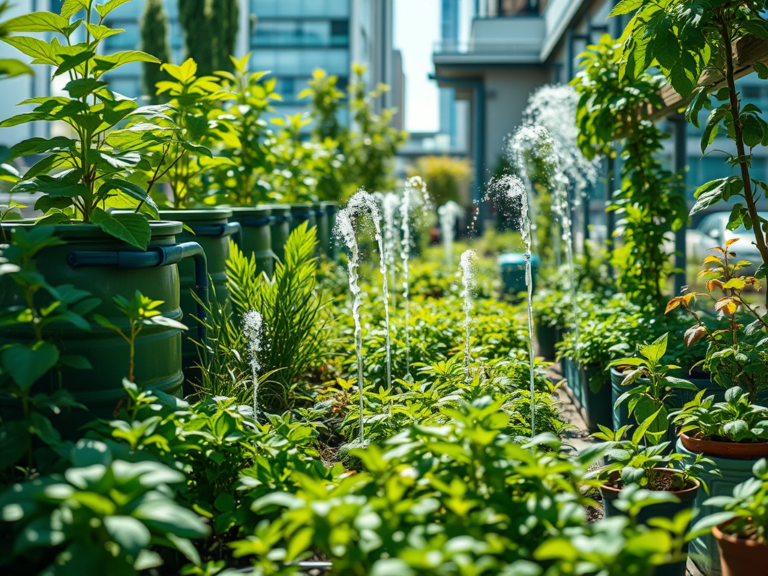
[732, 450]
[740, 556]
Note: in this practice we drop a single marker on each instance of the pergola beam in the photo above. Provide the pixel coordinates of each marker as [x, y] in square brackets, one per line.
[746, 51]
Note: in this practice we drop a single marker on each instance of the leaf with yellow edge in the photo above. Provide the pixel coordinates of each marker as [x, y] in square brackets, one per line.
[694, 334]
[672, 304]
[728, 243]
[712, 258]
[712, 284]
[734, 284]
[727, 306]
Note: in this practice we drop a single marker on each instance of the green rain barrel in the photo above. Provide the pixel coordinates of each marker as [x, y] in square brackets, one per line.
[280, 228]
[302, 212]
[256, 236]
[88, 259]
[512, 268]
[212, 230]
[331, 210]
[597, 405]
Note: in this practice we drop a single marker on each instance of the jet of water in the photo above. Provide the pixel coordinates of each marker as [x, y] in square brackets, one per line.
[449, 214]
[252, 328]
[532, 150]
[468, 287]
[415, 195]
[390, 203]
[514, 189]
[347, 219]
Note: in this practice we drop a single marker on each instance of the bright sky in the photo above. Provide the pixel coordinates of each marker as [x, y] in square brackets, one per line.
[417, 28]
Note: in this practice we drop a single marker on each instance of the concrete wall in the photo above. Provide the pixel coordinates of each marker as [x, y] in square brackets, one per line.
[507, 93]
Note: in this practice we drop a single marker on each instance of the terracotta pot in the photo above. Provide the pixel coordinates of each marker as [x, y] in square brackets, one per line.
[732, 450]
[668, 509]
[739, 556]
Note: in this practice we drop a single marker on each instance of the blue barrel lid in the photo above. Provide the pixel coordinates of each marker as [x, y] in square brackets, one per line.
[515, 259]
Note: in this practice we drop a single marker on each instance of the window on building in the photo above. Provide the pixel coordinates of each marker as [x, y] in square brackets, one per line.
[340, 32]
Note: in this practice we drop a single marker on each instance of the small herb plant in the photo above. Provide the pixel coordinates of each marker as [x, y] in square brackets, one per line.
[652, 386]
[36, 308]
[736, 354]
[249, 96]
[80, 176]
[139, 312]
[735, 420]
[746, 511]
[101, 516]
[637, 461]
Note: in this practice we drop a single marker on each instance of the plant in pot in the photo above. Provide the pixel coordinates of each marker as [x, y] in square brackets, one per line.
[642, 461]
[653, 390]
[726, 427]
[741, 529]
[245, 183]
[94, 166]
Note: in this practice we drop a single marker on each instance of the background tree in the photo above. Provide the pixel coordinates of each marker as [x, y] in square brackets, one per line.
[210, 32]
[154, 41]
[447, 178]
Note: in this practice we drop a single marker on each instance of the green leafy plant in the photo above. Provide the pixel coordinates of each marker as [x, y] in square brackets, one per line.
[249, 96]
[649, 203]
[139, 312]
[652, 386]
[35, 307]
[194, 112]
[735, 354]
[735, 420]
[745, 512]
[692, 45]
[103, 515]
[640, 459]
[80, 176]
[434, 498]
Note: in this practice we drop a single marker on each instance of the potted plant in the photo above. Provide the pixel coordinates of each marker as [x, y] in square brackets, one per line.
[741, 529]
[652, 390]
[244, 184]
[727, 426]
[95, 166]
[643, 462]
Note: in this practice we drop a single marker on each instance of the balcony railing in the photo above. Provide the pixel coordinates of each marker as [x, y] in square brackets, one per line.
[489, 47]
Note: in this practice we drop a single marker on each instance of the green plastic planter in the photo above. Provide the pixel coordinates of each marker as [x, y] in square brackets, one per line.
[573, 378]
[596, 405]
[256, 235]
[302, 212]
[280, 228]
[331, 210]
[662, 510]
[703, 550]
[547, 338]
[91, 260]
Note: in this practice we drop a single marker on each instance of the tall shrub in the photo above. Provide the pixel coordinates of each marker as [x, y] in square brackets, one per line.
[154, 41]
[648, 202]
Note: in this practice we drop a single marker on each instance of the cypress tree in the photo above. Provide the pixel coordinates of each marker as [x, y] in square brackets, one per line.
[154, 40]
[210, 32]
[194, 17]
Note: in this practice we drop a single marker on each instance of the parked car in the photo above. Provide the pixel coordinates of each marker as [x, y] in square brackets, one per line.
[712, 231]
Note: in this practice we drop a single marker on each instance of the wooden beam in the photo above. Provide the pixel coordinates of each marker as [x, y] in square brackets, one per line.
[746, 51]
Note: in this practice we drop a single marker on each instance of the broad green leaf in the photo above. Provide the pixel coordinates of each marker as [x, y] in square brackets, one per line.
[40, 51]
[100, 32]
[709, 194]
[74, 61]
[27, 364]
[37, 22]
[129, 533]
[53, 186]
[113, 61]
[655, 351]
[71, 7]
[104, 9]
[41, 145]
[129, 227]
[711, 129]
[83, 87]
[139, 136]
[625, 7]
[10, 68]
[131, 190]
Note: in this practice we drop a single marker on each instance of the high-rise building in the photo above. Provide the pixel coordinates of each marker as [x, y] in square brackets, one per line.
[449, 32]
[289, 38]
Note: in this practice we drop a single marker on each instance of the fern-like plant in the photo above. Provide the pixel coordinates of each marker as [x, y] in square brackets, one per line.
[294, 337]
